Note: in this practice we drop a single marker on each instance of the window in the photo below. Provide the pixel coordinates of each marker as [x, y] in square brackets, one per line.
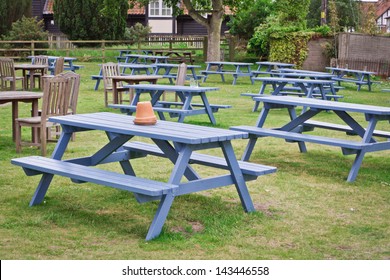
[158, 9]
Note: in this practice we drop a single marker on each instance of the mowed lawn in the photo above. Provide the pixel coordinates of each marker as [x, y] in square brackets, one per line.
[306, 210]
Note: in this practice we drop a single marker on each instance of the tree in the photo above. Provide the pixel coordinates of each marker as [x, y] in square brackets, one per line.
[25, 29]
[292, 12]
[249, 16]
[91, 19]
[215, 9]
[347, 13]
[11, 11]
[137, 33]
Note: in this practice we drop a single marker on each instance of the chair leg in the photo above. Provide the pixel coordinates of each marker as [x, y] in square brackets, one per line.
[18, 137]
[43, 141]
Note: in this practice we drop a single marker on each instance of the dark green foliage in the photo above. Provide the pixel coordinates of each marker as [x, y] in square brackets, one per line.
[347, 12]
[11, 11]
[91, 19]
[137, 33]
[292, 12]
[249, 16]
[26, 29]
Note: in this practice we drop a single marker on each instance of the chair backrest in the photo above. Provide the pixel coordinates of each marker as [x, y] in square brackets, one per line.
[110, 69]
[55, 100]
[40, 60]
[59, 66]
[74, 84]
[181, 74]
[7, 67]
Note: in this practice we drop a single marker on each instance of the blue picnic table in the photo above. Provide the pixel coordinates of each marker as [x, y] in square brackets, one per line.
[175, 141]
[181, 109]
[241, 69]
[309, 87]
[68, 63]
[266, 67]
[165, 69]
[358, 77]
[145, 59]
[292, 131]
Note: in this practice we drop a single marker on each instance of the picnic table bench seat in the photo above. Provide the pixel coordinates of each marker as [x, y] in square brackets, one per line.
[311, 125]
[298, 137]
[247, 168]
[35, 165]
[300, 94]
[214, 107]
[165, 107]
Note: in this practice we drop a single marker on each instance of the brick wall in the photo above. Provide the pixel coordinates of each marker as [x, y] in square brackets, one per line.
[317, 59]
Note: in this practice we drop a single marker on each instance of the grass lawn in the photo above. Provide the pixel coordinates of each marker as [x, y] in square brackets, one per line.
[306, 210]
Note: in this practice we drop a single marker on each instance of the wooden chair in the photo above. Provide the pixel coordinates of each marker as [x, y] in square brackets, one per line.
[74, 84]
[40, 60]
[55, 102]
[181, 77]
[111, 69]
[7, 74]
[59, 66]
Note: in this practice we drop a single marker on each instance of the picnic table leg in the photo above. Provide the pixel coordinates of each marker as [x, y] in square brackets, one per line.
[208, 108]
[167, 199]
[160, 217]
[253, 139]
[46, 179]
[293, 115]
[356, 166]
[238, 178]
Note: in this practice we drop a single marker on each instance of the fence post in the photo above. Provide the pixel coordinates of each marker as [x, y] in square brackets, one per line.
[232, 46]
[205, 47]
[104, 51]
[170, 43]
[32, 48]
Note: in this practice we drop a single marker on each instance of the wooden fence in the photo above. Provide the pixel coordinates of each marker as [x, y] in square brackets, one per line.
[102, 49]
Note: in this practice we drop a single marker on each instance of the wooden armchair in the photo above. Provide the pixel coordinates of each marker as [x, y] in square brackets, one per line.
[7, 74]
[111, 69]
[55, 102]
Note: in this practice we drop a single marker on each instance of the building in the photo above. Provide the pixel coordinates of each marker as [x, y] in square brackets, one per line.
[158, 16]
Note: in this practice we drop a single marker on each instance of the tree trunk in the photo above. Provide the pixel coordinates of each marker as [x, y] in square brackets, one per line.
[213, 25]
[214, 37]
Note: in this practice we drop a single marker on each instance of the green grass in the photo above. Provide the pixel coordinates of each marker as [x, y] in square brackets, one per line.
[306, 210]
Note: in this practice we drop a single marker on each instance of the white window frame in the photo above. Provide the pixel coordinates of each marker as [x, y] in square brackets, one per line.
[161, 7]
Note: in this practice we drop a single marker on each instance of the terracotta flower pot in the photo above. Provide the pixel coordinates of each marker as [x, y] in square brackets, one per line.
[144, 114]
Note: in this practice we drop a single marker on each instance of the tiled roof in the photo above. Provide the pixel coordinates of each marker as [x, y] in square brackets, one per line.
[48, 8]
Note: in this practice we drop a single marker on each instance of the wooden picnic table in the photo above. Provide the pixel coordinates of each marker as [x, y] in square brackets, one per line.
[134, 70]
[29, 70]
[358, 77]
[292, 130]
[175, 141]
[130, 79]
[185, 94]
[21, 96]
[241, 69]
[175, 55]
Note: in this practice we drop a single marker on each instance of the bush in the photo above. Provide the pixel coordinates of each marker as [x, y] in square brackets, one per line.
[26, 29]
